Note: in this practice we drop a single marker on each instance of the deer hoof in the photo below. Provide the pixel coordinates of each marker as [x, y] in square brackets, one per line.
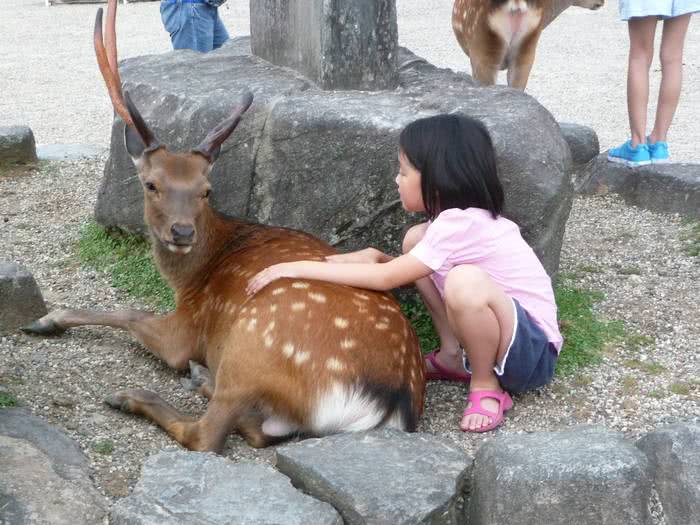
[199, 377]
[120, 401]
[43, 326]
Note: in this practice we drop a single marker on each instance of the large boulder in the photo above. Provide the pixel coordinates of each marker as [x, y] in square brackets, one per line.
[17, 145]
[325, 161]
[20, 298]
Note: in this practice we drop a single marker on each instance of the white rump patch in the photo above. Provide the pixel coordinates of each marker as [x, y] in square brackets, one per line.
[345, 408]
[278, 427]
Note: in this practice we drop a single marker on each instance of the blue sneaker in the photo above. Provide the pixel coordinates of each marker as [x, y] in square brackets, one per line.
[630, 156]
[658, 152]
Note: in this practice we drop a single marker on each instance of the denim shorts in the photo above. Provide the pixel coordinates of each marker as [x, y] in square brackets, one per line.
[530, 359]
[193, 25]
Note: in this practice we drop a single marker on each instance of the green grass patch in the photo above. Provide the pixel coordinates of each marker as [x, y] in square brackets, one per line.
[585, 336]
[590, 268]
[657, 394]
[690, 235]
[422, 323]
[630, 270]
[127, 259]
[681, 389]
[7, 400]
[649, 367]
[636, 341]
[104, 446]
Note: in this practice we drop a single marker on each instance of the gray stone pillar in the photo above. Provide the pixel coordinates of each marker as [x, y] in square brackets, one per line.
[339, 44]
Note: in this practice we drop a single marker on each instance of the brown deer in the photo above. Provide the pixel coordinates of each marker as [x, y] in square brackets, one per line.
[503, 34]
[300, 357]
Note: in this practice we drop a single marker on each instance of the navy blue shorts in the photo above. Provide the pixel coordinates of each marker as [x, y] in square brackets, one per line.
[530, 359]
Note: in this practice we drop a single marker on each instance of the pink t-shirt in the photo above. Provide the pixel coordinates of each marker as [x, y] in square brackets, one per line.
[473, 236]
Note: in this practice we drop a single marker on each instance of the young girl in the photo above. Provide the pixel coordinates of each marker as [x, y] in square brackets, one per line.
[483, 285]
[642, 18]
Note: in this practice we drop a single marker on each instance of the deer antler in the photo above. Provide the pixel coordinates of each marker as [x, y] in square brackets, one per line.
[107, 61]
[212, 143]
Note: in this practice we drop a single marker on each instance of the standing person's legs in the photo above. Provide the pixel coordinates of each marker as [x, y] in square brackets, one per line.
[671, 55]
[191, 25]
[641, 34]
[220, 33]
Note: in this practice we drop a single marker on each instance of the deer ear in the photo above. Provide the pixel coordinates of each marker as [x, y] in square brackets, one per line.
[134, 145]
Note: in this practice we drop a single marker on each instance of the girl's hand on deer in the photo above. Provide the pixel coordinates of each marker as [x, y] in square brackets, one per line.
[368, 255]
[266, 276]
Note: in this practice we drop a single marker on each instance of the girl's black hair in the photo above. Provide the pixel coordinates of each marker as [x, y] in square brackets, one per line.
[455, 157]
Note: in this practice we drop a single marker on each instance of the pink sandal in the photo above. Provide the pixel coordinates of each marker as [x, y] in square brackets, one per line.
[441, 373]
[505, 403]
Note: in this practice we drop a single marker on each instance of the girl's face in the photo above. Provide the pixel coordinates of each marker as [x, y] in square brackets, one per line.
[408, 181]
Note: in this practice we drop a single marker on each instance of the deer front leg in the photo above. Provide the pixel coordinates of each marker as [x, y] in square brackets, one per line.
[519, 69]
[168, 337]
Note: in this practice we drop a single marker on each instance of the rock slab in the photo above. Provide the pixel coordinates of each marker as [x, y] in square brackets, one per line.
[582, 141]
[674, 455]
[203, 488]
[586, 476]
[45, 477]
[665, 188]
[380, 477]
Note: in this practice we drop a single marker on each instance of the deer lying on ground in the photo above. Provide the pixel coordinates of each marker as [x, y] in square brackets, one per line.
[303, 357]
[503, 34]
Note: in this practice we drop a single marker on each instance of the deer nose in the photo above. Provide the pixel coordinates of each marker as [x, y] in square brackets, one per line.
[182, 233]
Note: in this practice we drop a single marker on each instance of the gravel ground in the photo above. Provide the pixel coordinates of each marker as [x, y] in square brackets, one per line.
[634, 257]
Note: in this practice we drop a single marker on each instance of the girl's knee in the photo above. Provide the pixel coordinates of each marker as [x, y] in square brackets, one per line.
[466, 287]
[413, 236]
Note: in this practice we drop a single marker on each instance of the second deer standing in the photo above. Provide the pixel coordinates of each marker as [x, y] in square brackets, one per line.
[300, 357]
[503, 34]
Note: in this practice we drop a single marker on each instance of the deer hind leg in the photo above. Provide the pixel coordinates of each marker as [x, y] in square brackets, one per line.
[200, 380]
[520, 67]
[487, 58]
[207, 434]
[167, 337]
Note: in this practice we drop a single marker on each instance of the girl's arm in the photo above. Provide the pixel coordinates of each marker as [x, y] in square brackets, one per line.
[374, 276]
[368, 255]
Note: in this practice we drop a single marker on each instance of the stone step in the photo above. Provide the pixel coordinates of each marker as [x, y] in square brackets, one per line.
[666, 188]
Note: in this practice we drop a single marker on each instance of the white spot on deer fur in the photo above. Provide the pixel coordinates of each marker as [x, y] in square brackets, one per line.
[361, 296]
[244, 309]
[335, 365]
[403, 348]
[269, 341]
[318, 297]
[278, 291]
[298, 307]
[301, 357]
[347, 344]
[381, 326]
[273, 308]
[269, 328]
[288, 349]
[254, 311]
[347, 408]
[340, 322]
[251, 324]
[300, 285]
[394, 337]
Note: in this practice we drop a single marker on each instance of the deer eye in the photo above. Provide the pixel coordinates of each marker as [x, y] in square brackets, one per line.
[206, 194]
[150, 186]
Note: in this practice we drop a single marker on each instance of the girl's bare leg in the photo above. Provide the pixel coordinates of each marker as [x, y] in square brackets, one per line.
[450, 355]
[671, 55]
[641, 34]
[482, 317]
